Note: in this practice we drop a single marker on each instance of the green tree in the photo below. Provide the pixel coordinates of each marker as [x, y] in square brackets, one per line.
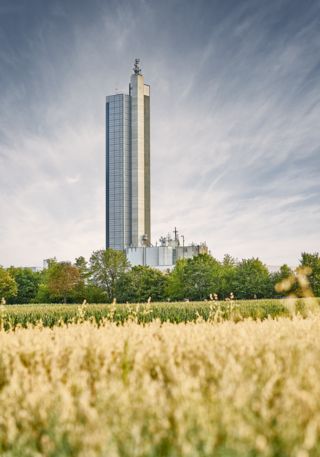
[82, 290]
[175, 289]
[203, 274]
[313, 262]
[140, 283]
[60, 282]
[279, 287]
[106, 267]
[92, 294]
[251, 280]
[8, 286]
[82, 266]
[194, 278]
[227, 276]
[27, 284]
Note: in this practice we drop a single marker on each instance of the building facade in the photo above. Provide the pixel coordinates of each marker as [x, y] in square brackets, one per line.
[165, 255]
[128, 215]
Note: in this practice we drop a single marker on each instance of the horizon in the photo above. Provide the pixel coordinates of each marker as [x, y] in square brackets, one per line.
[235, 142]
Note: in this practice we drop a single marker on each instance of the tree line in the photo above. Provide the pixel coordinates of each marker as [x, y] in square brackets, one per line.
[107, 276]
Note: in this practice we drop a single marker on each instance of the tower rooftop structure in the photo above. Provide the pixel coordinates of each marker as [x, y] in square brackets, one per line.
[136, 67]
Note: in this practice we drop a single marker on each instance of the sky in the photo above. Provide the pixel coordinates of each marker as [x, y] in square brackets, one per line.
[235, 123]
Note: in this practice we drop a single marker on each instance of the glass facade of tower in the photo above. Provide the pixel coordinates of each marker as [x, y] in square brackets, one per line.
[118, 164]
[128, 166]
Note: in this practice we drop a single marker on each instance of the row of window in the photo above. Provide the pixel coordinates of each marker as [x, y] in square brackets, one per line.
[118, 105]
[116, 101]
[117, 98]
[118, 125]
[117, 115]
[119, 109]
[118, 118]
[117, 144]
[117, 135]
[117, 148]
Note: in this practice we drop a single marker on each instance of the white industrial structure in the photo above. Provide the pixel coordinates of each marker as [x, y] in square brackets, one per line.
[165, 255]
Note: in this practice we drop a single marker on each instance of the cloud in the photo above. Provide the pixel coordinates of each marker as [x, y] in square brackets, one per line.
[235, 138]
[73, 179]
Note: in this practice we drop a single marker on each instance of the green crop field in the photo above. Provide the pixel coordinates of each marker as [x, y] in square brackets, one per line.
[178, 312]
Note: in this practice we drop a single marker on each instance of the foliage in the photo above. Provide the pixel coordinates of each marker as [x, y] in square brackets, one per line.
[140, 284]
[277, 280]
[202, 277]
[313, 262]
[90, 293]
[227, 276]
[175, 285]
[195, 278]
[8, 285]
[60, 280]
[108, 276]
[192, 390]
[82, 266]
[251, 280]
[27, 284]
[106, 267]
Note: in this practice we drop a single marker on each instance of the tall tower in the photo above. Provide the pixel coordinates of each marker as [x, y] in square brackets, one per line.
[128, 218]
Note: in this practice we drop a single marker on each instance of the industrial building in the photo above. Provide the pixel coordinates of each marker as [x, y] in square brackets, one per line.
[165, 255]
[128, 212]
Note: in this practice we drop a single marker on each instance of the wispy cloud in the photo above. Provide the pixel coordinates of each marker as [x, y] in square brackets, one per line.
[235, 114]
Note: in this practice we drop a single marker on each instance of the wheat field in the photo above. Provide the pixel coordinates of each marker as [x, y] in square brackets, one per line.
[223, 389]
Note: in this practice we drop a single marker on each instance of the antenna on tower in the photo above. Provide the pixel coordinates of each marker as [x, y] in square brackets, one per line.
[136, 67]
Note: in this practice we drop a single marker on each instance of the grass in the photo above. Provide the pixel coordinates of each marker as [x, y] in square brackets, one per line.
[200, 389]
